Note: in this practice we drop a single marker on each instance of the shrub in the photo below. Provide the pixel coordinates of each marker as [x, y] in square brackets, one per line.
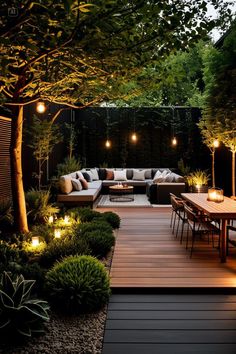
[20, 314]
[100, 225]
[9, 253]
[35, 272]
[99, 242]
[87, 214]
[31, 250]
[6, 218]
[38, 206]
[60, 248]
[81, 284]
[44, 231]
[112, 218]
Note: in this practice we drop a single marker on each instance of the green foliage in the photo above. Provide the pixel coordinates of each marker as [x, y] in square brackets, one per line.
[100, 225]
[38, 206]
[6, 218]
[99, 242]
[184, 169]
[20, 314]
[112, 218]
[69, 165]
[9, 254]
[78, 284]
[84, 214]
[44, 231]
[32, 250]
[35, 272]
[42, 136]
[60, 248]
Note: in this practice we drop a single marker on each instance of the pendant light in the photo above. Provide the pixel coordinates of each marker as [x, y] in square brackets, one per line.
[108, 141]
[40, 107]
[134, 137]
[174, 140]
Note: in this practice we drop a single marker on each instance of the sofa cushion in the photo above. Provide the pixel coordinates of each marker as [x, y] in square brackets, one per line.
[77, 186]
[87, 175]
[169, 177]
[148, 174]
[160, 176]
[102, 173]
[139, 175]
[65, 184]
[84, 183]
[94, 184]
[120, 175]
[94, 173]
[129, 173]
[79, 196]
[109, 174]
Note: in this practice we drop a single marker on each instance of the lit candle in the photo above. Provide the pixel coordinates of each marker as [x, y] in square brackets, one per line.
[57, 233]
[35, 241]
[50, 219]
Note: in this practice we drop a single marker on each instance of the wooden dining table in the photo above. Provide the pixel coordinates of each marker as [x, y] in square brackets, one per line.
[223, 212]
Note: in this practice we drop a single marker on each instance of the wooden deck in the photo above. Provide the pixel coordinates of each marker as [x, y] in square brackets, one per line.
[167, 324]
[147, 255]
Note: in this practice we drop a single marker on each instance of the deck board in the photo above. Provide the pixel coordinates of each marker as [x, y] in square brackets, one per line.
[147, 254]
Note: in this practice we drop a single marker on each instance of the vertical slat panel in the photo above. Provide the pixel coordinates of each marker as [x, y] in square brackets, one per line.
[5, 171]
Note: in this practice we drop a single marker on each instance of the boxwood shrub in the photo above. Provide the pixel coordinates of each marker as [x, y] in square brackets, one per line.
[99, 242]
[112, 218]
[78, 284]
[100, 225]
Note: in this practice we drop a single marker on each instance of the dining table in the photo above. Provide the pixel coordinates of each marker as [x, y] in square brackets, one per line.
[221, 211]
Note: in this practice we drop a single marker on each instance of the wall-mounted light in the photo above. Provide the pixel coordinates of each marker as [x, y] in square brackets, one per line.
[40, 107]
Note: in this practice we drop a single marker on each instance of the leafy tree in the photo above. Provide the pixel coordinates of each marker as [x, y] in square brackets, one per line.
[220, 108]
[43, 135]
[70, 52]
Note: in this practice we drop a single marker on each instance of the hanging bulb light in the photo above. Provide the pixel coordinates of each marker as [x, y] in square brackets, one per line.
[108, 143]
[40, 107]
[134, 137]
[216, 143]
[174, 141]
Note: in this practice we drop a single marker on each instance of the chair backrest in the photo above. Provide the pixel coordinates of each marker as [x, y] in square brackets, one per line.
[176, 202]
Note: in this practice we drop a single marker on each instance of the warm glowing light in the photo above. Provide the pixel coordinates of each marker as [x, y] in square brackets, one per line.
[174, 141]
[57, 233]
[40, 107]
[216, 143]
[35, 241]
[134, 137]
[66, 219]
[198, 187]
[108, 143]
[215, 195]
[50, 219]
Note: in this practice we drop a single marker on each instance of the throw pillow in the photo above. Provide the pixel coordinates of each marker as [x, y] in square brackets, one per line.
[66, 185]
[139, 175]
[157, 176]
[148, 174]
[94, 173]
[76, 184]
[84, 183]
[169, 177]
[109, 174]
[120, 175]
[87, 175]
[129, 174]
[79, 174]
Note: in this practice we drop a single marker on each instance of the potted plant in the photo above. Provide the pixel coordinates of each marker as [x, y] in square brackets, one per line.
[198, 181]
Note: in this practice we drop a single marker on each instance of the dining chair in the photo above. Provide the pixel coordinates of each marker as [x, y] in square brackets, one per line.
[177, 215]
[229, 237]
[199, 225]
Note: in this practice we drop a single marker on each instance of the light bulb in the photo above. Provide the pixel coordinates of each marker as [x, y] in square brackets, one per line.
[57, 233]
[50, 219]
[216, 143]
[108, 143]
[66, 219]
[174, 141]
[134, 137]
[40, 107]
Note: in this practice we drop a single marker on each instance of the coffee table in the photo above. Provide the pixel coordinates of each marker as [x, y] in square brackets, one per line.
[121, 193]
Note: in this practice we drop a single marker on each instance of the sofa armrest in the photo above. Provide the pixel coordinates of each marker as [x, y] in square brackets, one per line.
[160, 193]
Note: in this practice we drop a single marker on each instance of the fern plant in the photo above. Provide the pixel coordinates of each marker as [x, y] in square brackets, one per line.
[20, 314]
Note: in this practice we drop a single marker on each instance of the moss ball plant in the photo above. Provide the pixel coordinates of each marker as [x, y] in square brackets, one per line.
[78, 284]
[99, 242]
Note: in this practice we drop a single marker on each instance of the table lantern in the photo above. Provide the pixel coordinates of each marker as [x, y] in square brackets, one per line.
[215, 195]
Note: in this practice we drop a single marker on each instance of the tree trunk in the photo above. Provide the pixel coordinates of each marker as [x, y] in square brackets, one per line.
[233, 173]
[18, 195]
[213, 168]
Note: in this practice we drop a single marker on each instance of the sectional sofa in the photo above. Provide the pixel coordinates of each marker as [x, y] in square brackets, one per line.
[83, 187]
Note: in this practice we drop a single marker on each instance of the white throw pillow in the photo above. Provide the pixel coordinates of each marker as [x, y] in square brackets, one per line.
[66, 185]
[139, 175]
[157, 176]
[120, 175]
[76, 184]
[79, 174]
[94, 173]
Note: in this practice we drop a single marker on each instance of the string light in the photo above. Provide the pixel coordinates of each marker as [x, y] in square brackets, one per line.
[40, 107]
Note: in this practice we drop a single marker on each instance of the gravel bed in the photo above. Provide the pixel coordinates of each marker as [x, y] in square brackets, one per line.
[82, 334]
